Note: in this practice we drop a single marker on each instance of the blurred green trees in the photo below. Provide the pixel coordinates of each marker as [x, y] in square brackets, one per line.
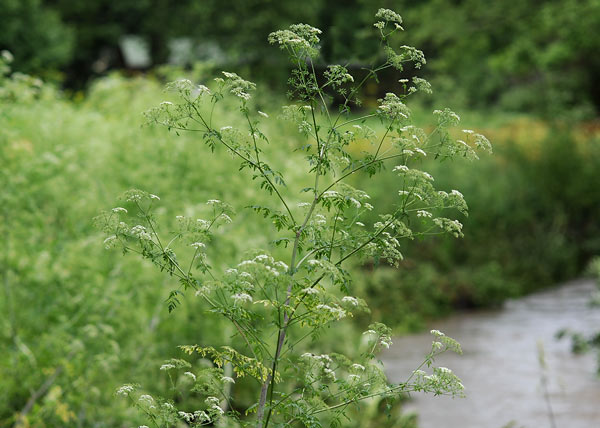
[518, 55]
[524, 55]
[36, 34]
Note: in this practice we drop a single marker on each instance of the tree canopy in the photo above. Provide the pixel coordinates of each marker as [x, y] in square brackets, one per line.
[517, 55]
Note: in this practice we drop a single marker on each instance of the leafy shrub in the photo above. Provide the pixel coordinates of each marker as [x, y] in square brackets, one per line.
[535, 207]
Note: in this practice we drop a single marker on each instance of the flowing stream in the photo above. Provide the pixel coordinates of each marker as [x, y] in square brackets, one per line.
[500, 366]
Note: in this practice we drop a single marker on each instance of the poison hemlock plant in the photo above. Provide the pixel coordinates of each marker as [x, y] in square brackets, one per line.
[278, 307]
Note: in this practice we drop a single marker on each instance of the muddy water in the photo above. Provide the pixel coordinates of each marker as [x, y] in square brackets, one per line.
[500, 366]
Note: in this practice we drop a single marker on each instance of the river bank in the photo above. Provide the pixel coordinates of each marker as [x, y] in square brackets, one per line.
[500, 366]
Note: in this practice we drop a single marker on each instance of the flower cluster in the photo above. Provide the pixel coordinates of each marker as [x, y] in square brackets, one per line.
[391, 107]
[300, 39]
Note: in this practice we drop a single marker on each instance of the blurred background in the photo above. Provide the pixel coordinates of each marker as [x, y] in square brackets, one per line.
[77, 321]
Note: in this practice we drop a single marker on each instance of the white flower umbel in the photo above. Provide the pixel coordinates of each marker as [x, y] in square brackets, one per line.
[242, 297]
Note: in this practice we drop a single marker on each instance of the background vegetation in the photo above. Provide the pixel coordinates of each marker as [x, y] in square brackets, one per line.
[517, 55]
[68, 333]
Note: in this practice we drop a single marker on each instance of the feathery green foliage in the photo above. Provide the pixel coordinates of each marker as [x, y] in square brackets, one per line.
[277, 306]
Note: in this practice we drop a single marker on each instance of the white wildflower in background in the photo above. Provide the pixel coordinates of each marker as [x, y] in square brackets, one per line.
[304, 127]
[330, 194]
[136, 230]
[262, 258]
[198, 91]
[146, 399]
[185, 85]
[140, 232]
[203, 223]
[7, 56]
[227, 379]
[110, 241]
[212, 400]
[167, 367]
[242, 297]
[203, 291]
[198, 245]
[202, 416]
[125, 390]
[272, 271]
[190, 375]
[481, 142]
[337, 75]
[320, 219]
[329, 373]
[427, 176]
[324, 358]
[355, 202]
[152, 196]
[389, 15]
[281, 265]
[335, 311]
[422, 85]
[218, 409]
[134, 195]
[392, 107]
[350, 300]
[188, 417]
[453, 227]
[447, 117]
[263, 114]
[386, 342]
[119, 210]
[358, 367]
